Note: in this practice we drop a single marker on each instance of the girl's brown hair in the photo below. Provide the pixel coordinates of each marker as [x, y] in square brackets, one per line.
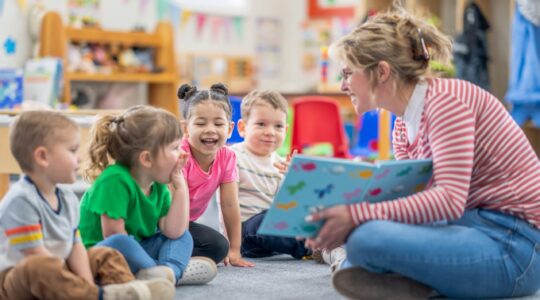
[190, 97]
[123, 137]
[405, 42]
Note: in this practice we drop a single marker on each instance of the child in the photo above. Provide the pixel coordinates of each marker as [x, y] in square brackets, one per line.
[129, 206]
[41, 252]
[263, 125]
[207, 124]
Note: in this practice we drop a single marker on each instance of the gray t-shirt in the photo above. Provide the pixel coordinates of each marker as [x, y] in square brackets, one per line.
[28, 221]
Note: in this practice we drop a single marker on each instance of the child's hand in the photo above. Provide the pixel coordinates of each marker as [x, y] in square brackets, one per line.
[283, 166]
[235, 259]
[177, 178]
[337, 227]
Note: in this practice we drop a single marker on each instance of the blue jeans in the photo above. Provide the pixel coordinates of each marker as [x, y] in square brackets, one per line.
[256, 245]
[484, 254]
[153, 251]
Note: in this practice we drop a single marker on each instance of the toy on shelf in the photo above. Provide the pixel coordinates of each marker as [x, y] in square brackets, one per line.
[98, 49]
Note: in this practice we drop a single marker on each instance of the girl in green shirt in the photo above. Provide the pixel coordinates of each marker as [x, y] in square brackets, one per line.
[140, 204]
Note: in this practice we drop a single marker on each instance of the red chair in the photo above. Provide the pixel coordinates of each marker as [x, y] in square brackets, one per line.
[316, 119]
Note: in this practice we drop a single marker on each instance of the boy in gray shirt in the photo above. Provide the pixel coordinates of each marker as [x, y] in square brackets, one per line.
[41, 254]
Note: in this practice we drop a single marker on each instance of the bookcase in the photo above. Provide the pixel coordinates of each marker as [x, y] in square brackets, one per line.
[162, 86]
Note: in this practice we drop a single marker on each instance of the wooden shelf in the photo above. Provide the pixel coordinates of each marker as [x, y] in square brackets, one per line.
[98, 35]
[123, 77]
[162, 87]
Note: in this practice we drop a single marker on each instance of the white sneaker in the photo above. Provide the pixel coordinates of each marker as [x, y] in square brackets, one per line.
[334, 257]
[157, 272]
[133, 290]
[160, 288]
[200, 270]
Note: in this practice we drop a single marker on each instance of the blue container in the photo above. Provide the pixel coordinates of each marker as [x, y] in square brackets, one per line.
[11, 88]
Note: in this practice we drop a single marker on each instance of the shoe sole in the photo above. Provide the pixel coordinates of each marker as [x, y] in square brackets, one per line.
[357, 283]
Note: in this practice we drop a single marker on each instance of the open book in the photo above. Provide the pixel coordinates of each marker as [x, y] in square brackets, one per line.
[314, 183]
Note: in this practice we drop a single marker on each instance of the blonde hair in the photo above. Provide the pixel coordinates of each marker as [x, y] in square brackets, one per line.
[124, 137]
[405, 42]
[273, 98]
[32, 129]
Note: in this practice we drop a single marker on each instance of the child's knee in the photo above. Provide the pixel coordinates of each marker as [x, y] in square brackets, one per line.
[99, 251]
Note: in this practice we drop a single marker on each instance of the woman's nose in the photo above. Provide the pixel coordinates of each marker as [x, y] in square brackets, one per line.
[344, 86]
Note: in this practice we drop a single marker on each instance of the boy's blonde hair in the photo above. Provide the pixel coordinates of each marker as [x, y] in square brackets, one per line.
[125, 136]
[32, 129]
[273, 98]
[405, 42]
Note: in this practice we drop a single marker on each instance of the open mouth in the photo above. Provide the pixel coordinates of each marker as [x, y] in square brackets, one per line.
[209, 141]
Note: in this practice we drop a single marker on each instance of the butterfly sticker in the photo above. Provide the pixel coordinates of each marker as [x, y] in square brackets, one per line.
[353, 194]
[287, 206]
[404, 172]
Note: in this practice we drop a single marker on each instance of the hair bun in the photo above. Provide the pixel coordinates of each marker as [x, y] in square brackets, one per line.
[185, 91]
[219, 88]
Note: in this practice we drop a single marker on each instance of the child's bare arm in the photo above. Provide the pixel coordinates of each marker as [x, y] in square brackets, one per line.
[176, 222]
[231, 216]
[110, 226]
[79, 264]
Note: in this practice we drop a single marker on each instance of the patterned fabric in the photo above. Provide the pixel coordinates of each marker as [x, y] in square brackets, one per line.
[481, 158]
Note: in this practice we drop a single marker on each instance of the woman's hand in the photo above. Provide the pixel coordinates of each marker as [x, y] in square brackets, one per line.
[234, 258]
[335, 230]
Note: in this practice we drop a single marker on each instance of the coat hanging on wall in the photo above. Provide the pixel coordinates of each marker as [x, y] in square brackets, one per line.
[471, 48]
[524, 85]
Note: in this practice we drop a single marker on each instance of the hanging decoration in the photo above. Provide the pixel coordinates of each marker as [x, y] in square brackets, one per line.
[22, 4]
[162, 8]
[184, 18]
[238, 23]
[143, 4]
[1, 7]
[175, 13]
[10, 46]
[201, 20]
[216, 24]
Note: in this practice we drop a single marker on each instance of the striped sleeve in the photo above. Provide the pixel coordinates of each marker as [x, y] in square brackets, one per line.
[450, 127]
[21, 224]
[76, 236]
[399, 140]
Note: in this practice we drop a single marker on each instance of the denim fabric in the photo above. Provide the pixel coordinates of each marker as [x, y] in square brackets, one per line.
[152, 251]
[256, 245]
[484, 254]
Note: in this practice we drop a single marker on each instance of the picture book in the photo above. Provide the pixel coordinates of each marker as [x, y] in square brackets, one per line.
[315, 183]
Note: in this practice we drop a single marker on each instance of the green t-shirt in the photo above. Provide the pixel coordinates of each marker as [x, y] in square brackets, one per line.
[116, 194]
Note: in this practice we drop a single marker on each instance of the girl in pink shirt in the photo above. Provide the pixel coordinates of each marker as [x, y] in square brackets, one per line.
[207, 125]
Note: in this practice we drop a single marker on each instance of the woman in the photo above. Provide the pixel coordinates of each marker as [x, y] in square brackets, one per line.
[472, 234]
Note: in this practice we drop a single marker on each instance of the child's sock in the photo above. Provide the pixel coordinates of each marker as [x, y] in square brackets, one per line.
[200, 270]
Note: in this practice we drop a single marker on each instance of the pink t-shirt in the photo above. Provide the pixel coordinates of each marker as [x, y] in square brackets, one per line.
[203, 185]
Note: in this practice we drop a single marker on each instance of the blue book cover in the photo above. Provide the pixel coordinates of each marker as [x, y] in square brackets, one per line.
[314, 183]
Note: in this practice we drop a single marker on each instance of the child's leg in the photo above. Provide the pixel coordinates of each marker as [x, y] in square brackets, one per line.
[109, 266]
[482, 255]
[174, 254]
[135, 255]
[255, 245]
[44, 277]
[208, 243]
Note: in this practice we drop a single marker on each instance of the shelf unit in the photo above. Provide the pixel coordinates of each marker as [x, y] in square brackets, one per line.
[162, 87]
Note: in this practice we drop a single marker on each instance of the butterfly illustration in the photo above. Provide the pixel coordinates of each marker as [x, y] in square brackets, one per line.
[293, 189]
[325, 191]
[287, 206]
[425, 170]
[404, 172]
[351, 195]
[383, 174]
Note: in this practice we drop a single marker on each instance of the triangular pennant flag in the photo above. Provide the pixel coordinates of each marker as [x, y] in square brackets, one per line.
[185, 16]
[175, 12]
[201, 21]
[162, 9]
[22, 4]
[216, 25]
[1, 7]
[239, 27]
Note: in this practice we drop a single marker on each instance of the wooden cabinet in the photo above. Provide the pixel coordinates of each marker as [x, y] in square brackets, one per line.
[162, 86]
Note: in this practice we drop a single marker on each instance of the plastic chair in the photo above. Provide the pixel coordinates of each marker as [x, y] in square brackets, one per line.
[236, 115]
[317, 120]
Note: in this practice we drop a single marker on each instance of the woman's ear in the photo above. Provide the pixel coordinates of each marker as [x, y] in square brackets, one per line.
[241, 127]
[383, 71]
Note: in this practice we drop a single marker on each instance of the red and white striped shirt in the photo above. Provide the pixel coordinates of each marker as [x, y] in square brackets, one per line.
[481, 158]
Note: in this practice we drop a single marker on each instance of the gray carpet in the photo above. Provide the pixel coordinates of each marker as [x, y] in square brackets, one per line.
[278, 277]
